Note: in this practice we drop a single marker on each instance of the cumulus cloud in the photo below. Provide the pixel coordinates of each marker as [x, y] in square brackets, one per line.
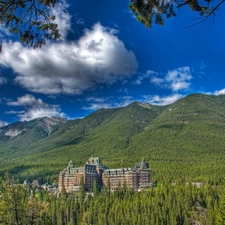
[70, 68]
[220, 92]
[179, 78]
[3, 123]
[34, 108]
[157, 100]
[26, 100]
[176, 80]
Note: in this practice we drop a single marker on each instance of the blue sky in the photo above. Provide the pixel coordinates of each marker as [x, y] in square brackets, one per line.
[105, 58]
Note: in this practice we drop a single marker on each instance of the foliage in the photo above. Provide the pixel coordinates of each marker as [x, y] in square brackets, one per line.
[220, 217]
[18, 205]
[180, 203]
[183, 140]
[32, 20]
[149, 12]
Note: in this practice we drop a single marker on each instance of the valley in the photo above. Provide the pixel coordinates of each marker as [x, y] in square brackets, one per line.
[184, 140]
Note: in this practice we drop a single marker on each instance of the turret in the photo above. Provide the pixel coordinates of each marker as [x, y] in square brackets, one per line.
[144, 165]
[70, 165]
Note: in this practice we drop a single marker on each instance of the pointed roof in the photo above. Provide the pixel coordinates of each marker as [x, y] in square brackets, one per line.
[144, 165]
[70, 165]
[141, 165]
[26, 182]
[94, 161]
[35, 183]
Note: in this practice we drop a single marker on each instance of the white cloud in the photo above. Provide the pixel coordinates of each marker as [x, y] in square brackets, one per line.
[124, 101]
[142, 76]
[14, 112]
[62, 18]
[34, 108]
[179, 78]
[158, 81]
[3, 123]
[2, 81]
[157, 100]
[96, 103]
[97, 99]
[217, 92]
[50, 111]
[220, 92]
[176, 80]
[70, 68]
[26, 100]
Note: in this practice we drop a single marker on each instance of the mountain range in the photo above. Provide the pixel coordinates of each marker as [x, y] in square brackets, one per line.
[183, 140]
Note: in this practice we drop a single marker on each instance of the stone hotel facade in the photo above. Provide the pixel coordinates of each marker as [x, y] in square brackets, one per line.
[137, 178]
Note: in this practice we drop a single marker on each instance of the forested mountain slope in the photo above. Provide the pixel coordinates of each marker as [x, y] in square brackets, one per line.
[185, 139]
[16, 137]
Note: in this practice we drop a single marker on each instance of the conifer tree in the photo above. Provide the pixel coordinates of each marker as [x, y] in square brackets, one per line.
[32, 20]
[149, 12]
[82, 191]
[220, 217]
[13, 205]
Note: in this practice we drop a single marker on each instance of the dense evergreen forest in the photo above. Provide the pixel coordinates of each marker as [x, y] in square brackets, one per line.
[184, 140]
[166, 204]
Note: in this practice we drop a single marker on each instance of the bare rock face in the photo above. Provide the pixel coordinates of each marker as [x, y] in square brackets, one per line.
[144, 105]
[12, 132]
[48, 123]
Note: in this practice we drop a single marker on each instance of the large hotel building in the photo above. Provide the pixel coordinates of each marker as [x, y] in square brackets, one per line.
[137, 178]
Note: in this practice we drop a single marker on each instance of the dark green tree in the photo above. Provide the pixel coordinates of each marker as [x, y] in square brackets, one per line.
[13, 204]
[32, 20]
[19, 206]
[96, 188]
[149, 12]
[82, 191]
[220, 216]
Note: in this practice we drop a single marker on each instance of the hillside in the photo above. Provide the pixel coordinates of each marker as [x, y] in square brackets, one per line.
[183, 140]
